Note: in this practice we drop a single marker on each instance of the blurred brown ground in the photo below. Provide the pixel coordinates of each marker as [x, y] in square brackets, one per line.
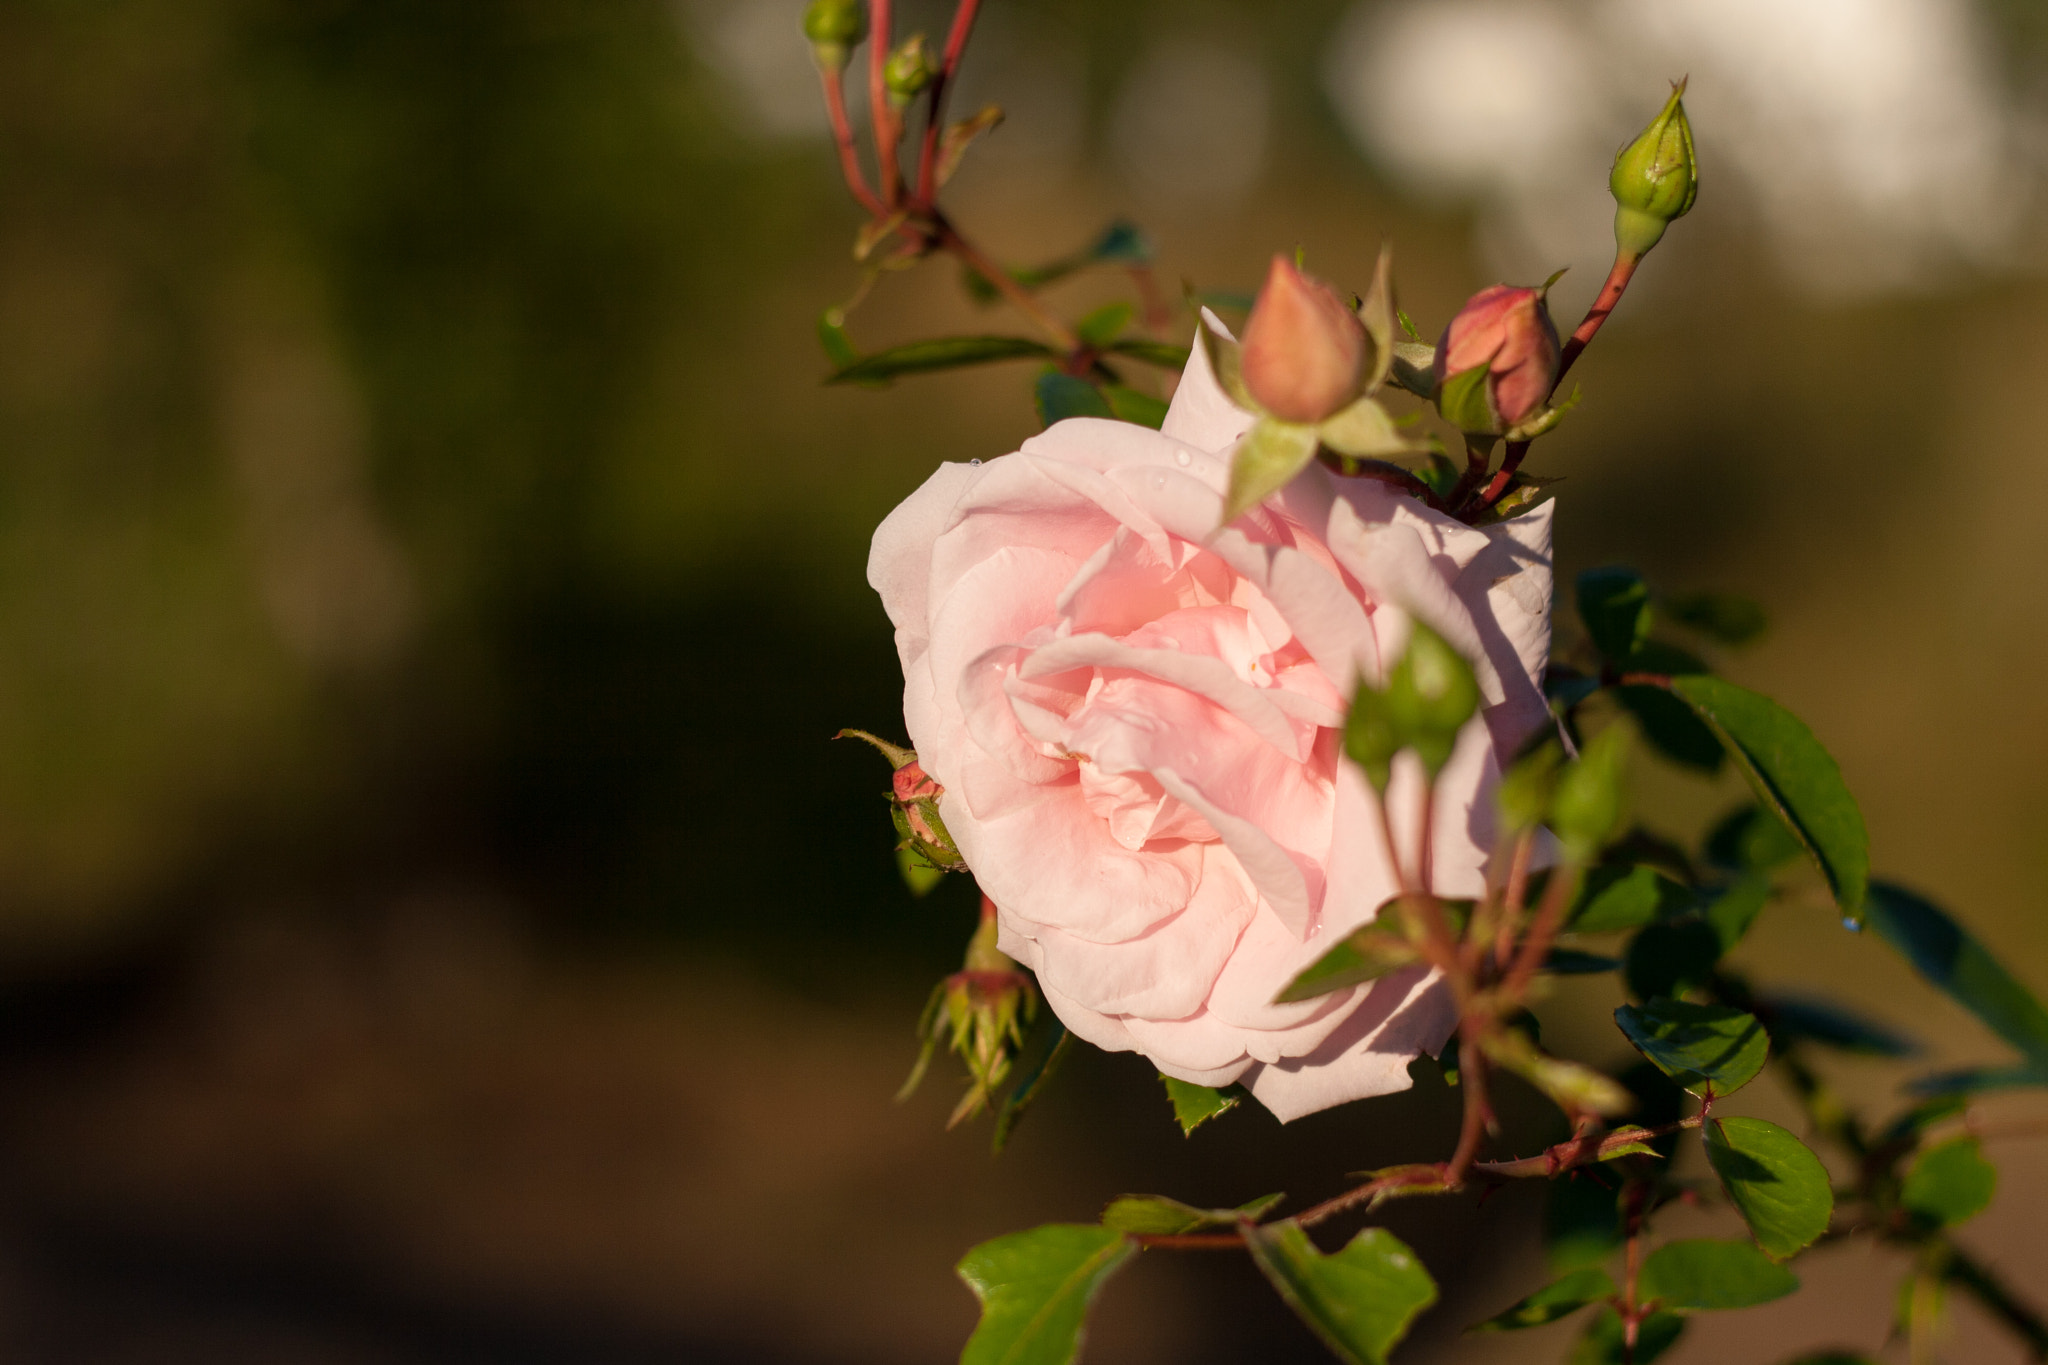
[433, 926]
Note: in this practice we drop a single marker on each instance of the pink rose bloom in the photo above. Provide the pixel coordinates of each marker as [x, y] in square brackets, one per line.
[1136, 718]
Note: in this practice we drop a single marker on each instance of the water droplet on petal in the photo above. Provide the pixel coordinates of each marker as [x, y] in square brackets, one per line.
[1182, 458]
[974, 464]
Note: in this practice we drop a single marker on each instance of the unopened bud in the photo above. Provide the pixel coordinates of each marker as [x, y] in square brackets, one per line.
[1303, 353]
[835, 28]
[1497, 361]
[910, 69]
[980, 1011]
[1655, 178]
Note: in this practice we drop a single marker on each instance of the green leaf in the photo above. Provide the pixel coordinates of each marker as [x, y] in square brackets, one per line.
[1029, 1085]
[1359, 1301]
[1711, 1050]
[1129, 405]
[1748, 840]
[834, 341]
[1944, 952]
[1163, 354]
[1060, 396]
[1587, 811]
[1557, 1299]
[1105, 324]
[1776, 1184]
[1122, 243]
[1730, 913]
[1194, 1105]
[1365, 954]
[1672, 959]
[1724, 617]
[941, 353]
[1804, 1019]
[1672, 728]
[1376, 314]
[1614, 602]
[1365, 430]
[1035, 1288]
[1793, 777]
[1706, 1274]
[1267, 459]
[1572, 1087]
[1155, 1215]
[1950, 1183]
[1620, 897]
[1581, 1221]
[1603, 1342]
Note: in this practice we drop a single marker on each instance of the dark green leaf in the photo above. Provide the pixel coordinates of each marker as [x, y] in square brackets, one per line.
[1749, 840]
[1798, 1019]
[1945, 953]
[1707, 1049]
[1731, 912]
[1977, 1080]
[1060, 396]
[1776, 1184]
[1709, 1274]
[1614, 898]
[1571, 962]
[1154, 1215]
[1723, 617]
[1603, 1342]
[1359, 1301]
[1128, 405]
[942, 353]
[1581, 1221]
[1950, 1183]
[1555, 1300]
[1365, 954]
[1034, 1289]
[1614, 602]
[1672, 959]
[1671, 728]
[1030, 1084]
[1122, 243]
[1105, 324]
[1195, 1105]
[1160, 353]
[1565, 687]
[1793, 777]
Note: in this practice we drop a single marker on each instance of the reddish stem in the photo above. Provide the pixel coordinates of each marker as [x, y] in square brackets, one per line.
[1618, 276]
[1542, 932]
[947, 238]
[1478, 1113]
[888, 127]
[935, 115]
[842, 136]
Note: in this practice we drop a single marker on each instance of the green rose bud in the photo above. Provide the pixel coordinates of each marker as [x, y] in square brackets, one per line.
[909, 70]
[1655, 178]
[835, 28]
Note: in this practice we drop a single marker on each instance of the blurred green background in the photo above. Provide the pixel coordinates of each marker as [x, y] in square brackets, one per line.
[433, 923]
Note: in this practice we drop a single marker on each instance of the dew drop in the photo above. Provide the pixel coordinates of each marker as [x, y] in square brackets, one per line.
[1182, 458]
[1854, 926]
[974, 464]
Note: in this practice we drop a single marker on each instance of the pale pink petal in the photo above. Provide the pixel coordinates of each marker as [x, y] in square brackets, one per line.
[1201, 414]
[1403, 1015]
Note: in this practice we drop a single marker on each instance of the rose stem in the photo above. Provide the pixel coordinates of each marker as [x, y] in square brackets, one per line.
[948, 238]
[1517, 897]
[935, 115]
[1476, 462]
[1478, 1113]
[1537, 944]
[888, 127]
[842, 134]
[1631, 1317]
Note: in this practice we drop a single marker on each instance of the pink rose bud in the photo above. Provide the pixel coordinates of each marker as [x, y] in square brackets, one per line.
[916, 796]
[914, 783]
[1303, 351]
[1506, 331]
